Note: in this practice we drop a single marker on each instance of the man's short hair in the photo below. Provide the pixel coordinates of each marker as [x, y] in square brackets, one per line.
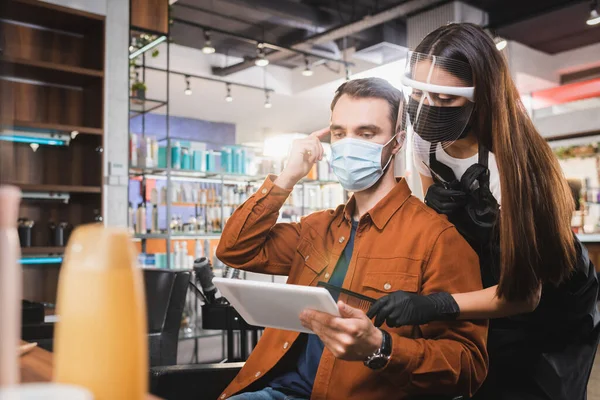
[371, 88]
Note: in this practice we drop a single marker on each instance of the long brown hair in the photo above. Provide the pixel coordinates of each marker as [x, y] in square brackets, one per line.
[536, 242]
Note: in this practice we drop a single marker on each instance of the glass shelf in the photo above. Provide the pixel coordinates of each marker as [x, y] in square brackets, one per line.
[139, 107]
[161, 173]
[176, 236]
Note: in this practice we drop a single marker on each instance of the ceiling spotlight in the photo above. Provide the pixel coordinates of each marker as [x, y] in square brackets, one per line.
[208, 47]
[34, 146]
[307, 70]
[500, 43]
[268, 100]
[229, 97]
[594, 18]
[188, 89]
[261, 60]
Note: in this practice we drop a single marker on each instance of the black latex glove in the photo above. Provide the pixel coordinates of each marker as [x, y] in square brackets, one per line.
[403, 308]
[446, 199]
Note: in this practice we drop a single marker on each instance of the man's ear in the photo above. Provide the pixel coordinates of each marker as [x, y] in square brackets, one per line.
[400, 138]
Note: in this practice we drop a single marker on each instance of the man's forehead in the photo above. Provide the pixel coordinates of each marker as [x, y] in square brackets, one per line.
[353, 112]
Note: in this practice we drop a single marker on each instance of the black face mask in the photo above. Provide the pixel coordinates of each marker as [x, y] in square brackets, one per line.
[439, 124]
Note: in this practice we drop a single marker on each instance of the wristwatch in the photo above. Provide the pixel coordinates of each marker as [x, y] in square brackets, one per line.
[380, 358]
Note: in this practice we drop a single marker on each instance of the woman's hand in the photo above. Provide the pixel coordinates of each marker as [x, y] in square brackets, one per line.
[403, 308]
[446, 199]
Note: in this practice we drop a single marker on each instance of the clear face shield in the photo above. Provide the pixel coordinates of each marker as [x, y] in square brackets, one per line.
[438, 100]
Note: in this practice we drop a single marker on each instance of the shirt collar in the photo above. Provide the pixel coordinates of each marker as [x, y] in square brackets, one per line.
[383, 211]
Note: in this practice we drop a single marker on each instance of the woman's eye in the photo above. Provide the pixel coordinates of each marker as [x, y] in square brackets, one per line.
[446, 99]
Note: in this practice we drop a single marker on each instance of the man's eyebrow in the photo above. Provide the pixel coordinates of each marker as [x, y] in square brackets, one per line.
[336, 127]
[373, 128]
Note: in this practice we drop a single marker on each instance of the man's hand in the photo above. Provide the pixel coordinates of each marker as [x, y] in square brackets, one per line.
[351, 337]
[303, 154]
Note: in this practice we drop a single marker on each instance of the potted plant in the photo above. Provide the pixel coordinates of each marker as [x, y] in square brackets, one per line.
[138, 90]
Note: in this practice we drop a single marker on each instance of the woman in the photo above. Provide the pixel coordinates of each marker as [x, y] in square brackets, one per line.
[475, 149]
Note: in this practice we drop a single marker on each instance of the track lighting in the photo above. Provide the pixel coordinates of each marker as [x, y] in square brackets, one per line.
[208, 47]
[307, 70]
[229, 97]
[594, 18]
[188, 89]
[268, 100]
[261, 61]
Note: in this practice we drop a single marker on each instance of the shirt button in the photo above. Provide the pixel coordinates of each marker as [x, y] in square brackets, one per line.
[257, 374]
[264, 191]
[387, 286]
[327, 275]
[285, 345]
[306, 258]
[342, 239]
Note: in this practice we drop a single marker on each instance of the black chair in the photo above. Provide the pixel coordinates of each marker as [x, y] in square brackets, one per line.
[192, 382]
[165, 299]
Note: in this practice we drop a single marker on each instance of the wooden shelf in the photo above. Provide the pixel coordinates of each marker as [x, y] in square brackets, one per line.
[28, 187]
[49, 72]
[53, 16]
[55, 127]
[35, 250]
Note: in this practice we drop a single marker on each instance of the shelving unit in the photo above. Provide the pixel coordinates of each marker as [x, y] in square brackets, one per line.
[52, 127]
[52, 69]
[28, 187]
[138, 107]
[39, 250]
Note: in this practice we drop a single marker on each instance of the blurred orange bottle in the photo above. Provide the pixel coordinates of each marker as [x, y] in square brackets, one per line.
[100, 340]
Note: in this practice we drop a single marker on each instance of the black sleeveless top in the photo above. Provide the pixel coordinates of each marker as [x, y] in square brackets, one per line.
[546, 354]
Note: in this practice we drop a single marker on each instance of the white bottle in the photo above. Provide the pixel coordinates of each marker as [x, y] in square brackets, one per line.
[184, 256]
[10, 286]
[177, 256]
[198, 250]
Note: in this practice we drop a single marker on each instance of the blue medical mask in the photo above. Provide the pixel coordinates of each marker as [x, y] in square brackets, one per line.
[357, 163]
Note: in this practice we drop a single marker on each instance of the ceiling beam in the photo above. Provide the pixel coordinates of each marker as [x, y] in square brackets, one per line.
[286, 9]
[275, 48]
[402, 10]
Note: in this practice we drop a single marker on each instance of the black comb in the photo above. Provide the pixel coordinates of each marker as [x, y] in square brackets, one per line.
[349, 297]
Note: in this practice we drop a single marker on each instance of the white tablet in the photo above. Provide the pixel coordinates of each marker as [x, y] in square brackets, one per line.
[275, 305]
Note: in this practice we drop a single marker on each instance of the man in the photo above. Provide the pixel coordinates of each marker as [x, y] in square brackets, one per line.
[382, 240]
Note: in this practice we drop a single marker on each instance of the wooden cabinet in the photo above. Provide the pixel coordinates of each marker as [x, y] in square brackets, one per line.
[152, 15]
[51, 86]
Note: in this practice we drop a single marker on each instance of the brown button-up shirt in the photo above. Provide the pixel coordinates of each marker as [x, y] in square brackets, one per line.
[400, 244]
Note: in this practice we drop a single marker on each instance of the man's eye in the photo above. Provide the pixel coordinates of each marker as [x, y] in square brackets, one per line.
[367, 135]
[337, 134]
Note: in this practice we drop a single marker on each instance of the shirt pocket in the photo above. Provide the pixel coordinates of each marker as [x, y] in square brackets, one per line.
[311, 261]
[377, 284]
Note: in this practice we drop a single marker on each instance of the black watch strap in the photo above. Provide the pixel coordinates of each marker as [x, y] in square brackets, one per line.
[386, 343]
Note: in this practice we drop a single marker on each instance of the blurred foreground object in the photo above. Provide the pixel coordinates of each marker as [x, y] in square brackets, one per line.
[10, 286]
[101, 341]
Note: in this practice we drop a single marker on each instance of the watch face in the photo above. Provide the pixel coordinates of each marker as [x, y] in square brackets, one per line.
[377, 362]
